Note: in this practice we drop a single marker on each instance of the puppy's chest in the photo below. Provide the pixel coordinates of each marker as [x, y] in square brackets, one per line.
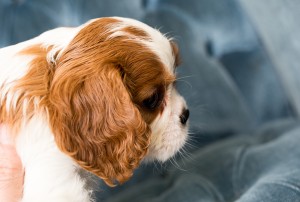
[47, 170]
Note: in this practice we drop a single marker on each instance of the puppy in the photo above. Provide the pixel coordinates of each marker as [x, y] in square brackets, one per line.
[98, 97]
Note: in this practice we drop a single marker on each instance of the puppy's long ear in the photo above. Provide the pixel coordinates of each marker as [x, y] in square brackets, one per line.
[95, 122]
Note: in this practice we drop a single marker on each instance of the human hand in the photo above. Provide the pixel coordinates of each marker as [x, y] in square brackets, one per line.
[11, 170]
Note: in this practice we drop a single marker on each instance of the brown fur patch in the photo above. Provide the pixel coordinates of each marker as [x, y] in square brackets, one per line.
[136, 32]
[32, 87]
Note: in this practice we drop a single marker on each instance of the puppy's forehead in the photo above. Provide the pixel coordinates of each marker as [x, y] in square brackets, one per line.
[135, 30]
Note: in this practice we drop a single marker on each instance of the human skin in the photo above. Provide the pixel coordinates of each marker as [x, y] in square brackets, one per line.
[11, 170]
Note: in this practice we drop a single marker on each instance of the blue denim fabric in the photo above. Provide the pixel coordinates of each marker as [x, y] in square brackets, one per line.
[240, 76]
[261, 167]
[24, 19]
[279, 31]
[21, 20]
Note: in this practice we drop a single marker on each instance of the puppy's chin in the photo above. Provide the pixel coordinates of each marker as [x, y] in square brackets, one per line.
[174, 140]
[168, 133]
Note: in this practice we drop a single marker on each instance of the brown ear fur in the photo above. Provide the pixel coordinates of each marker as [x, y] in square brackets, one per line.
[93, 98]
[96, 123]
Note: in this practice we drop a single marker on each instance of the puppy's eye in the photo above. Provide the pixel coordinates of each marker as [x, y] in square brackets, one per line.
[153, 102]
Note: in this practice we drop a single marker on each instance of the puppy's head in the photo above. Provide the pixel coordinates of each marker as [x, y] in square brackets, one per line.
[112, 100]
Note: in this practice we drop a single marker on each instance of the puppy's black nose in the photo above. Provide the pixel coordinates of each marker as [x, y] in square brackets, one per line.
[184, 116]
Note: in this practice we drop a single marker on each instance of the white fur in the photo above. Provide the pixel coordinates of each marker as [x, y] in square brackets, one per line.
[50, 174]
[168, 134]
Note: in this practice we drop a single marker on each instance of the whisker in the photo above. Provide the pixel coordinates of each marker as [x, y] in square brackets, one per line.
[187, 83]
[176, 165]
[187, 154]
[183, 77]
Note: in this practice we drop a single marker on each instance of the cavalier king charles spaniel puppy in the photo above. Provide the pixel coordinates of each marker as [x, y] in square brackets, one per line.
[99, 97]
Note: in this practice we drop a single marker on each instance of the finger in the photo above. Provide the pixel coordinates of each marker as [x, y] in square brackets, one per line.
[11, 170]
